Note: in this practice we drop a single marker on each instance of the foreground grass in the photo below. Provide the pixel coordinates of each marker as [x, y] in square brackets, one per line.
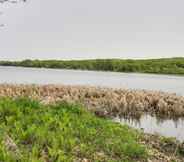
[30, 131]
[158, 66]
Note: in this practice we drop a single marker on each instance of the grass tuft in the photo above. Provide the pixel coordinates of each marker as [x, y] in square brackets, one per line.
[30, 131]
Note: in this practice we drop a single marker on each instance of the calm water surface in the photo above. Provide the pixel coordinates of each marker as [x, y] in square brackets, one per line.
[153, 125]
[173, 84]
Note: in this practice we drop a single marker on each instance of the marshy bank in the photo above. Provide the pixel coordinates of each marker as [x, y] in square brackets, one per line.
[147, 110]
[106, 102]
[32, 131]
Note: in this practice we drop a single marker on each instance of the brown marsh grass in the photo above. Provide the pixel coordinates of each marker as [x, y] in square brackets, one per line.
[102, 101]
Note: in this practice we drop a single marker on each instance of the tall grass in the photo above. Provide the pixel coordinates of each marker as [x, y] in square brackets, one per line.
[103, 101]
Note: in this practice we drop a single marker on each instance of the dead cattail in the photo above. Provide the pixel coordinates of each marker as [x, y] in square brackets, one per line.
[111, 101]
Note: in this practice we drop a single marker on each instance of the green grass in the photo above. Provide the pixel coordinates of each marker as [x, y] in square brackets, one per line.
[63, 133]
[157, 66]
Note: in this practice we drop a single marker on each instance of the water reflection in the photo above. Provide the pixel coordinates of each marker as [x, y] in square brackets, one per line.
[155, 125]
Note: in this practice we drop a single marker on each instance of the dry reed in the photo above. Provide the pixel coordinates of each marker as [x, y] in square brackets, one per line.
[102, 101]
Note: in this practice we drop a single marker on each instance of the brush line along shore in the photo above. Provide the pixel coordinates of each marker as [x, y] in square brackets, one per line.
[157, 66]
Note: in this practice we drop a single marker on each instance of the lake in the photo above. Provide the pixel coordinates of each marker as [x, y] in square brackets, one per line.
[19, 75]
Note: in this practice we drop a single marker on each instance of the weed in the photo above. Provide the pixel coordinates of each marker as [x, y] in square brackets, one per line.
[62, 132]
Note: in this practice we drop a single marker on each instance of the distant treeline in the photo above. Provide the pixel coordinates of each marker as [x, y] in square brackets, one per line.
[158, 66]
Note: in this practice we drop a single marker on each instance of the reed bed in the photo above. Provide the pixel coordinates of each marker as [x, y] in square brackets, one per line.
[102, 101]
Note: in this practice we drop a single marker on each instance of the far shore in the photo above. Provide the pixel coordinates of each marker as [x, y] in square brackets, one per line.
[169, 66]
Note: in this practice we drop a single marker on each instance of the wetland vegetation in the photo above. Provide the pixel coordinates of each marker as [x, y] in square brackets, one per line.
[31, 131]
[157, 66]
[104, 102]
[48, 123]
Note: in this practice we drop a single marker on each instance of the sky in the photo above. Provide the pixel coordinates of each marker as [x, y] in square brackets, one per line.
[88, 29]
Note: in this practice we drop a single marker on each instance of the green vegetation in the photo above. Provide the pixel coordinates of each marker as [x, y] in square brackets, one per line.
[158, 66]
[30, 131]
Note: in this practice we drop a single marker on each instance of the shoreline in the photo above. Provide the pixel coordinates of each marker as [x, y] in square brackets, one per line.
[168, 66]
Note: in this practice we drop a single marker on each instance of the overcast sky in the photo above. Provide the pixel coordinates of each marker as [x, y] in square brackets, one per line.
[79, 29]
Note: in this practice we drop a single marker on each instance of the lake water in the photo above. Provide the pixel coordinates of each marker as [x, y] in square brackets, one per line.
[153, 125]
[173, 84]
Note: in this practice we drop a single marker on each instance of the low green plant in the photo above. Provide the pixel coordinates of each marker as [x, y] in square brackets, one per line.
[32, 132]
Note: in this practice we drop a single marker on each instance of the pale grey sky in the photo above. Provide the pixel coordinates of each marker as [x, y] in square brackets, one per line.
[79, 29]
